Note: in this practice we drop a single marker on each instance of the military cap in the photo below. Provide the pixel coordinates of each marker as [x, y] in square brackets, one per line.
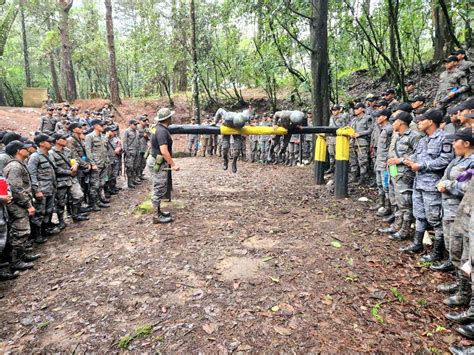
[381, 103]
[14, 146]
[409, 82]
[451, 58]
[43, 138]
[466, 105]
[143, 118]
[336, 108]
[405, 106]
[464, 133]
[389, 91]
[2, 134]
[132, 121]
[97, 121]
[459, 51]
[57, 136]
[74, 125]
[404, 117]
[163, 114]
[419, 98]
[10, 136]
[384, 112]
[66, 104]
[359, 105]
[50, 108]
[433, 114]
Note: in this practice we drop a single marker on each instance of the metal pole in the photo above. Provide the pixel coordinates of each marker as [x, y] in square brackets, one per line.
[319, 159]
[341, 174]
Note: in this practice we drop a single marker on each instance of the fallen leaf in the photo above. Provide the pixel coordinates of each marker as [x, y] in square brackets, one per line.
[267, 258]
[336, 244]
[209, 328]
[275, 308]
[282, 330]
[274, 279]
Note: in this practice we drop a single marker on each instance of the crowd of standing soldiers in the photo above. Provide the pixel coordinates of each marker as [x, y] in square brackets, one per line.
[70, 165]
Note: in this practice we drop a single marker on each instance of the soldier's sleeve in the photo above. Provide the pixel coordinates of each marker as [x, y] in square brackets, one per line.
[57, 167]
[367, 132]
[40, 128]
[20, 193]
[459, 188]
[33, 170]
[88, 146]
[275, 118]
[125, 141]
[415, 140]
[442, 161]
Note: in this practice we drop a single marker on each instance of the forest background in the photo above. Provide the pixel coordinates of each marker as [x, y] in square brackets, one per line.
[211, 51]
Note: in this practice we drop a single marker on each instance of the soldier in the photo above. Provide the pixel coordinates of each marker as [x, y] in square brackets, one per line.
[205, 141]
[359, 157]
[412, 91]
[432, 155]
[453, 122]
[96, 152]
[418, 102]
[370, 108]
[4, 157]
[264, 140]
[465, 109]
[159, 161]
[231, 120]
[131, 146]
[390, 97]
[453, 85]
[21, 207]
[86, 120]
[253, 141]
[288, 120]
[48, 122]
[4, 201]
[464, 65]
[193, 141]
[338, 119]
[43, 185]
[143, 138]
[452, 188]
[67, 184]
[380, 165]
[115, 156]
[402, 177]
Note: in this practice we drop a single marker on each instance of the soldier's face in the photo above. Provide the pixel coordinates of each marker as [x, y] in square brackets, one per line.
[462, 116]
[24, 153]
[461, 147]
[423, 125]
[450, 65]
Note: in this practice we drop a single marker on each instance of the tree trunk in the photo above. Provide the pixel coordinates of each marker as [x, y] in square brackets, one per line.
[113, 78]
[440, 32]
[67, 68]
[319, 62]
[52, 68]
[196, 104]
[6, 23]
[26, 57]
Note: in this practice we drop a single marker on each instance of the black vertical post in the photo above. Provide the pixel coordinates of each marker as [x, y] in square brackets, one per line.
[342, 165]
[319, 158]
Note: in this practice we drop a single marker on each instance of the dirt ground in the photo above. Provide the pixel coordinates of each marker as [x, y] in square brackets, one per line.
[260, 261]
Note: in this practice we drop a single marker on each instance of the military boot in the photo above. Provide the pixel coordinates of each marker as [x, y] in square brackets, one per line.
[61, 224]
[462, 297]
[40, 237]
[403, 233]
[464, 317]
[28, 257]
[17, 262]
[466, 331]
[448, 288]
[234, 164]
[394, 227]
[130, 182]
[386, 210]
[226, 162]
[447, 266]
[380, 202]
[8, 275]
[77, 216]
[416, 246]
[159, 218]
[436, 252]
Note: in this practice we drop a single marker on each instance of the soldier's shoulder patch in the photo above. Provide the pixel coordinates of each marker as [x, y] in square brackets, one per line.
[447, 147]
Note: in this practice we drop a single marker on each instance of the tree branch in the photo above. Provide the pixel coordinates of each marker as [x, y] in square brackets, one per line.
[297, 40]
[449, 23]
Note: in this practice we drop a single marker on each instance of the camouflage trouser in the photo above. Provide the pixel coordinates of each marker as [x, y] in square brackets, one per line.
[64, 193]
[205, 145]
[236, 147]
[3, 228]
[462, 228]
[193, 143]
[159, 181]
[96, 184]
[141, 163]
[19, 224]
[404, 196]
[253, 150]
[276, 141]
[453, 242]
[332, 153]
[131, 163]
[427, 211]
[307, 149]
[44, 208]
[359, 161]
[379, 180]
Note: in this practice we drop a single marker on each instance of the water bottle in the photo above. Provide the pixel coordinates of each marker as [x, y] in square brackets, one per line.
[386, 179]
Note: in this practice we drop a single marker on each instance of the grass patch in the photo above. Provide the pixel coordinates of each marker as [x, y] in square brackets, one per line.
[140, 332]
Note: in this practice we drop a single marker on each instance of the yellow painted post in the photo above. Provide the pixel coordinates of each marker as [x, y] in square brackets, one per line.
[341, 175]
[319, 158]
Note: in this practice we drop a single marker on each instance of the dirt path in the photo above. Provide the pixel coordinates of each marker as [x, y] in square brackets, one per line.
[258, 261]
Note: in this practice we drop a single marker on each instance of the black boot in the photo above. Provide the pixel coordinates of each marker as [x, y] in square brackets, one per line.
[447, 266]
[40, 237]
[461, 350]
[226, 162]
[394, 227]
[234, 165]
[380, 203]
[436, 252]
[76, 216]
[61, 224]
[130, 182]
[8, 275]
[466, 331]
[464, 317]
[462, 297]
[17, 262]
[386, 210]
[403, 233]
[389, 219]
[417, 245]
[30, 257]
[159, 218]
[448, 288]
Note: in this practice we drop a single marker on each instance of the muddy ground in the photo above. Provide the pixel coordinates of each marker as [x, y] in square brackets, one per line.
[259, 261]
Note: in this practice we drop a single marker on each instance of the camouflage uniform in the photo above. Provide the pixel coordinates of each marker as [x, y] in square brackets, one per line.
[263, 143]
[380, 165]
[96, 151]
[47, 123]
[143, 146]
[19, 180]
[160, 177]
[131, 147]
[393, 104]
[79, 154]
[451, 80]
[434, 154]
[114, 148]
[253, 141]
[359, 157]
[338, 121]
[452, 197]
[4, 159]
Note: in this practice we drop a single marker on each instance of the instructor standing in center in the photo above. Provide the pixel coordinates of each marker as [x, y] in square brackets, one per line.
[159, 162]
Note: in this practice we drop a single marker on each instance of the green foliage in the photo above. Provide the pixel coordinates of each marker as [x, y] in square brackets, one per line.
[140, 332]
[398, 295]
[375, 313]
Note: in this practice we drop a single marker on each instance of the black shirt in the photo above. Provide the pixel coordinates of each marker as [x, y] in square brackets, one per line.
[161, 137]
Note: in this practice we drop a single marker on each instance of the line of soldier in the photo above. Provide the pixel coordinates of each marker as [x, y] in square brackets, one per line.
[72, 168]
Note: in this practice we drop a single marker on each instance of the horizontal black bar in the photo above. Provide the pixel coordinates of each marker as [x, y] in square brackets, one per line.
[202, 129]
